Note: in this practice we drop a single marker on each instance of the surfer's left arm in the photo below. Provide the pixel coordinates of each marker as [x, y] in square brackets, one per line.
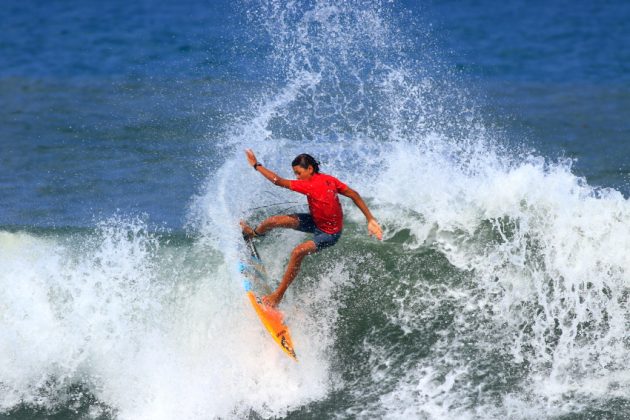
[373, 227]
[270, 175]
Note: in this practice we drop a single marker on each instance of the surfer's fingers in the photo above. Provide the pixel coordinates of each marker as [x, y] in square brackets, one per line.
[374, 229]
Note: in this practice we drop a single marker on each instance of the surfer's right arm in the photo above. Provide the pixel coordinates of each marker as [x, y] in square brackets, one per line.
[270, 175]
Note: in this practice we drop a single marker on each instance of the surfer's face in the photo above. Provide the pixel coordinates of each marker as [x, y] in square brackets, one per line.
[303, 174]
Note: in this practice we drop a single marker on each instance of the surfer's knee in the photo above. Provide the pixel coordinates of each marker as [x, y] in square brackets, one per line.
[303, 250]
[297, 253]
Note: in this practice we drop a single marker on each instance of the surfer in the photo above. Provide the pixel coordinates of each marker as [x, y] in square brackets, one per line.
[325, 220]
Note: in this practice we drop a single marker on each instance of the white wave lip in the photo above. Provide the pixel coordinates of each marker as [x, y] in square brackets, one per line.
[551, 279]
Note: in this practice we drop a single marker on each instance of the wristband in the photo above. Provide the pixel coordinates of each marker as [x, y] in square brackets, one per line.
[256, 165]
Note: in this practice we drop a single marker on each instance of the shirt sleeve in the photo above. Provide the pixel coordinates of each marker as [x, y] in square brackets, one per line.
[341, 187]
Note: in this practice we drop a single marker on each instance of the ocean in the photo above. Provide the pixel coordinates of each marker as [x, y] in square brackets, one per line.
[490, 139]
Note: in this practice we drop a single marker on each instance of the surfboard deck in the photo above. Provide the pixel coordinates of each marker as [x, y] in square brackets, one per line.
[256, 284]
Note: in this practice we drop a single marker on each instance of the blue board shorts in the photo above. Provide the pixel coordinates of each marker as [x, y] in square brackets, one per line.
[322, 239]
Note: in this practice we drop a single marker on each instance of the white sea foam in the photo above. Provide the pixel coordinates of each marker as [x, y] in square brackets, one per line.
[152, 331]
[549, 258]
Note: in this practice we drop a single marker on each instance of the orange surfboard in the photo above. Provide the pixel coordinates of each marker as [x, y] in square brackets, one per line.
[255, 278]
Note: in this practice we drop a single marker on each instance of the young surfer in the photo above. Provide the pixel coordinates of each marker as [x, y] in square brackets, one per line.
[325, 220]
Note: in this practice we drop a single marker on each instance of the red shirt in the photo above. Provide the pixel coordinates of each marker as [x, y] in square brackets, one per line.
[321, 192]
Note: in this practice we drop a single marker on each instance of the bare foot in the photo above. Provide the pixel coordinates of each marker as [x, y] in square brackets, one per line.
[248, 232]
[271, 300]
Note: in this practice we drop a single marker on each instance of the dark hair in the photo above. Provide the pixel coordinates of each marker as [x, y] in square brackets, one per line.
[304, 161]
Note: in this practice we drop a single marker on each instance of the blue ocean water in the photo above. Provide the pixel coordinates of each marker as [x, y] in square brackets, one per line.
[491, 140]
[107, 104]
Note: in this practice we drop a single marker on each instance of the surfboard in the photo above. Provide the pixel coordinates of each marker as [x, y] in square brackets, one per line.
[256, 285]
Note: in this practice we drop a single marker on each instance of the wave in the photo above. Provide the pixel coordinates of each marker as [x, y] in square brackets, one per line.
[500, 289]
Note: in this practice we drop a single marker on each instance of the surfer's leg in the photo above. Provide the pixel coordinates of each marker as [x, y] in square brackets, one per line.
[297, 255]
[290, 221]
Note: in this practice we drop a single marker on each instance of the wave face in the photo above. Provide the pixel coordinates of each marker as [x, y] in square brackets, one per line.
[499, 291]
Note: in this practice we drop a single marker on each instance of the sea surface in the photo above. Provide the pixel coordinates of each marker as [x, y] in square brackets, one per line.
[490, 139]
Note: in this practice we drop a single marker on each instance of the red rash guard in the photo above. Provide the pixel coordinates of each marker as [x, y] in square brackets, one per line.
[321, 192]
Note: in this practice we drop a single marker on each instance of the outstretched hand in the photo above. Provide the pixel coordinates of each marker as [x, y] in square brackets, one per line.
[251, 157]
[374, 229]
